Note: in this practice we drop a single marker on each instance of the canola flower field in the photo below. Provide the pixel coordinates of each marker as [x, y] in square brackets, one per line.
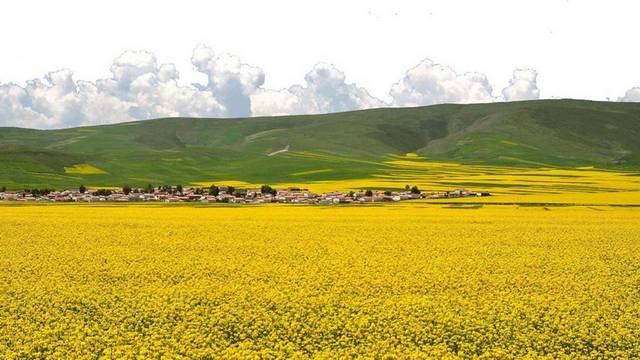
[410, 280]
[581, 185]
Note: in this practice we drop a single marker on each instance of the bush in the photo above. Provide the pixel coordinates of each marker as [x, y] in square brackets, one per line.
[39, 192]
[267, 189]
[102, 192]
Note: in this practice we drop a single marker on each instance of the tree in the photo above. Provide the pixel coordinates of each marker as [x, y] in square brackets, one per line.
[38, 192]
[368, 193]
[4, 189]
[82, 189]
[126, 189]
[406, 187]
[230, 190]
[351, 194]
[267, 189]
[415, 190]
[179, 188]
[149, 189]
[239, 192]
[214, 190]
[387, 193]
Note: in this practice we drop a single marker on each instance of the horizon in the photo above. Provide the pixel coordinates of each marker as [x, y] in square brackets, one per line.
[308, 115]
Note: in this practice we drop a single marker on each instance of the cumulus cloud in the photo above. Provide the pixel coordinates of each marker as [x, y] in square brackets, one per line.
[15, 109]
[429, 83]
[523, 86]
[141, 88]
[230, 80]
[632, 95]
[152, 90]
[58, 101]
[138, 89]
[325, 91]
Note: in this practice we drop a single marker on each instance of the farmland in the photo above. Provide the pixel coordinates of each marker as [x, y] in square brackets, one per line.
[553, 134]
[409, 279]
[546, 267]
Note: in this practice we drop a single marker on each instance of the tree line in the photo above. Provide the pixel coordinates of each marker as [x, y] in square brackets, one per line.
[178, 189]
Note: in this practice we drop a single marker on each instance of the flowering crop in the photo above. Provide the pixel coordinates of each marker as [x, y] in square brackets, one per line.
[582, 185]
[404, 280]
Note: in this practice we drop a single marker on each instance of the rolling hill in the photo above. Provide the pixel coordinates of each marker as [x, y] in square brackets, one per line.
[543, 133]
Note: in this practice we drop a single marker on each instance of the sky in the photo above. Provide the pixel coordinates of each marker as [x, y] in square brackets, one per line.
[71, 63]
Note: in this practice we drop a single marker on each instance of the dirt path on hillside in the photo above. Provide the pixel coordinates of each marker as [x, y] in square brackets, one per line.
[286, 148]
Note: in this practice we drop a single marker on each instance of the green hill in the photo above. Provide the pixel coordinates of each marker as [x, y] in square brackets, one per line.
[562, 133]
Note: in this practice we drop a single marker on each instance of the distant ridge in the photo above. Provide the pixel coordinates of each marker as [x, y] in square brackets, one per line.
[542, 133]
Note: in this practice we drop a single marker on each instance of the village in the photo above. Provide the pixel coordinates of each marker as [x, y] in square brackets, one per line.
[227, 194]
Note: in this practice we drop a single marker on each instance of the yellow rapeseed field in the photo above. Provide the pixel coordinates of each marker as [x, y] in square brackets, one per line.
[408, 280]
[83, 169]
[581, 185]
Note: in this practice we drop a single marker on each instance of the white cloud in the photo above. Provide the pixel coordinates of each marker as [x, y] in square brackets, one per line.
[429, 83]
[153, 90]
[231, 81]
[14, 109]
[523, 86]
[140, 88]
[632, 95]
[131, 65]
[58, 101]
[325, 91]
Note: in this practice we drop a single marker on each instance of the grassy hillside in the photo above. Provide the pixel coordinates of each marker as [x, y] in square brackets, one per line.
[545, 133]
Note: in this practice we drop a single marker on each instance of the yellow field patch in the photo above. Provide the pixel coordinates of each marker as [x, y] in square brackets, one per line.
[93, 187]
[83, 169]
[407, 281]
[586, 185]
[311, 172]
[412, 155]
[235, 183]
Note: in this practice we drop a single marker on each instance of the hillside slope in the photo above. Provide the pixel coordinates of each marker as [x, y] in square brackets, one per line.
[544, 133]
